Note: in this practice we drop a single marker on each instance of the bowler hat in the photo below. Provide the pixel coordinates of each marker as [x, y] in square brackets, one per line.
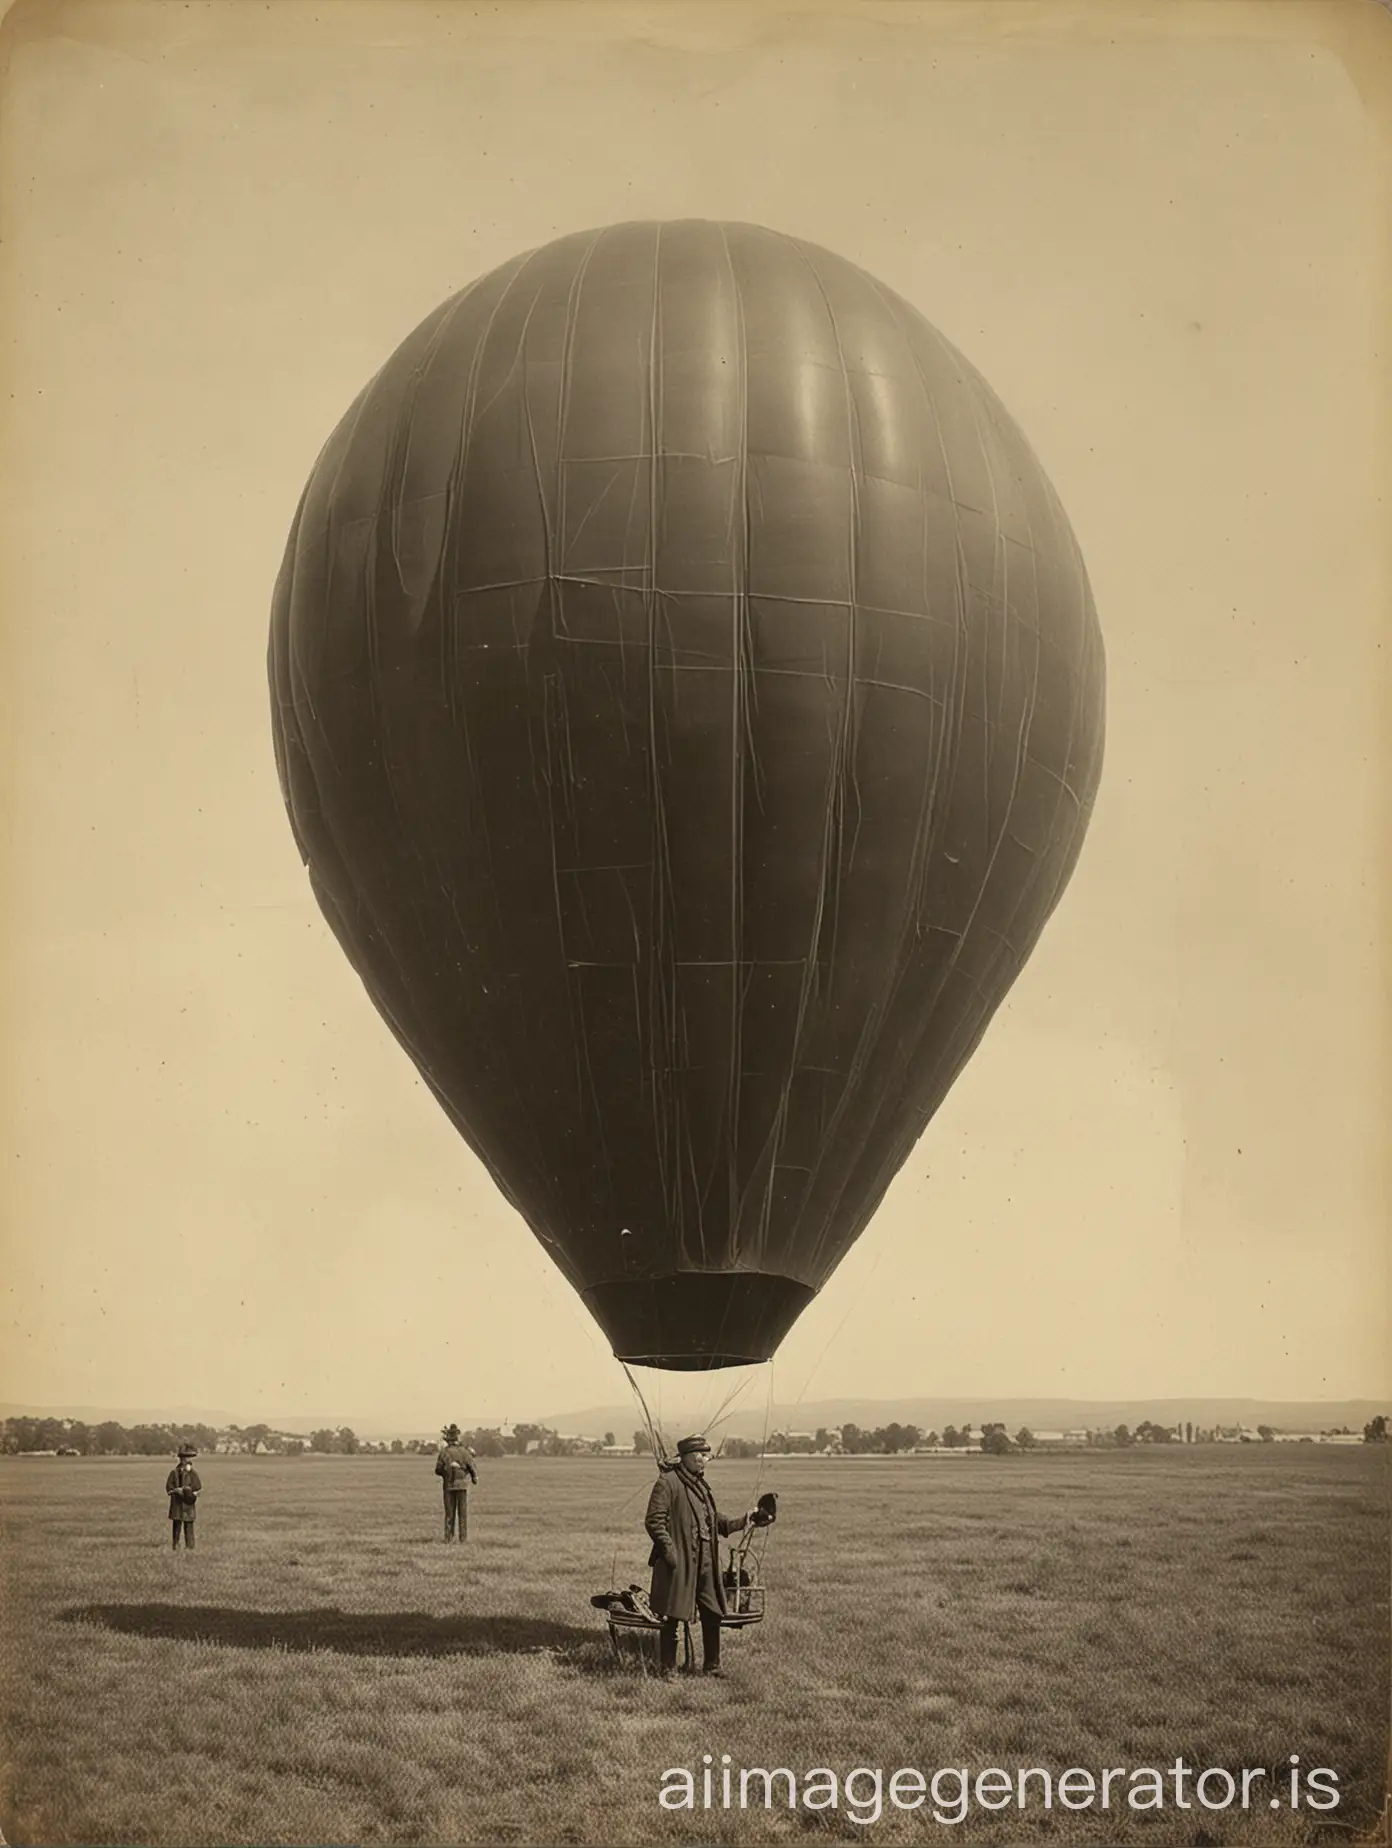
[187, 1450]
[689, 1444]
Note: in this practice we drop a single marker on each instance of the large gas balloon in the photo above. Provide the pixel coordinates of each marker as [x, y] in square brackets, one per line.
[688, 700]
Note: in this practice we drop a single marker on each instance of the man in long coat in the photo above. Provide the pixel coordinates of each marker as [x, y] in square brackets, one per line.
[455, 1468]
[183, 1488]
[686, 1529]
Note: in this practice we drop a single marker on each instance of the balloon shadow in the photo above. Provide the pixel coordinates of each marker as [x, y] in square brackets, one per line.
[363, 1633]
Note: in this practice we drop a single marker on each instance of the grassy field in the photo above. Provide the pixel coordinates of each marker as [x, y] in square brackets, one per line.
[325, 1669]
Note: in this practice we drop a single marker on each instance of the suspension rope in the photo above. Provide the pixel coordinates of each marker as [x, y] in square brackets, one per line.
[654, 1429]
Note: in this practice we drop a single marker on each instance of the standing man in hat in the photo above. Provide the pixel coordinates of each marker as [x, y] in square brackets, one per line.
[183, 1488]
[455, 1467]
[686, 1529]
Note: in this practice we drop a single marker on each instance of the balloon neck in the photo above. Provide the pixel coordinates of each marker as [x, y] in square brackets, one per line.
[697, 1321]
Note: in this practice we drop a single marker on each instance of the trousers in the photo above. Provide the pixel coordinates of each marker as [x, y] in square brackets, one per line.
[708, 1610]
[456, 1513]
[188, 1534]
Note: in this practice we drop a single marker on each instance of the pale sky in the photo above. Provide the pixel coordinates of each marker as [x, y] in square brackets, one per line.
[1165, 1171]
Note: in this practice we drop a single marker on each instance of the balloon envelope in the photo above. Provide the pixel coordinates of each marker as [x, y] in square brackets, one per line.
[688, 700]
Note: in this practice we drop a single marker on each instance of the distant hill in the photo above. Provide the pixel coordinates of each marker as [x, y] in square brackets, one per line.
[126, 1415]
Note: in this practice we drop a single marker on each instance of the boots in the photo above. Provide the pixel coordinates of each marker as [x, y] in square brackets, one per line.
[667, 1646]
[710, 1644]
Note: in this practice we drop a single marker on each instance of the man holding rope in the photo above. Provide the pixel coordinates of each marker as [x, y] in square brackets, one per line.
[686, 1529]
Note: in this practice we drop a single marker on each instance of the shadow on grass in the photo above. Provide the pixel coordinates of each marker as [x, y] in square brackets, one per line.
[365, 1633]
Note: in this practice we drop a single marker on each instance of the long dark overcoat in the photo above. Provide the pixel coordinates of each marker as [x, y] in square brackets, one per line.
[675, 1556]
[179, 1480]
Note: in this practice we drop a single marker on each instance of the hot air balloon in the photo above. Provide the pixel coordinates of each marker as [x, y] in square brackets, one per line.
[688, 701]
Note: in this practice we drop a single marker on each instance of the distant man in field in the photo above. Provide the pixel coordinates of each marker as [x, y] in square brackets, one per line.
[455, 1468]
[686, 1529]
[183, 1488]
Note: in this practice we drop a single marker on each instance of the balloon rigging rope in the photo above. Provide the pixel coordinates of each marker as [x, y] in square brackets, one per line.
[853, 1305]
[727, 1404]
[763, 1441]
[767, 1532]
[655, 1424]
[658, 1450]
[619, 1512]
[654, 1428]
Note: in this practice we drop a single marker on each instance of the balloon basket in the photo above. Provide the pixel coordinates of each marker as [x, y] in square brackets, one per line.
[639, 1639]
[635, 1639]
[744, 1593]
[635, 1635]
[746, 1604]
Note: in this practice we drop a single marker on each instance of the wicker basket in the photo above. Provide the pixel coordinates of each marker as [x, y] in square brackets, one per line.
[746, 1606]
[638, 1637]
[635, 1637]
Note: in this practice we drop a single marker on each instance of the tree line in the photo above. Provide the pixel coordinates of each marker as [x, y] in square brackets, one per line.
[888, 1440]
[539, 1440]
[994, 1439]
[71, 1437]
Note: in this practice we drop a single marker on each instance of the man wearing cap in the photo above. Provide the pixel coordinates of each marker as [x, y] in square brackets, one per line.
[455, 1468]
[686, 1529]
[183, 1489]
